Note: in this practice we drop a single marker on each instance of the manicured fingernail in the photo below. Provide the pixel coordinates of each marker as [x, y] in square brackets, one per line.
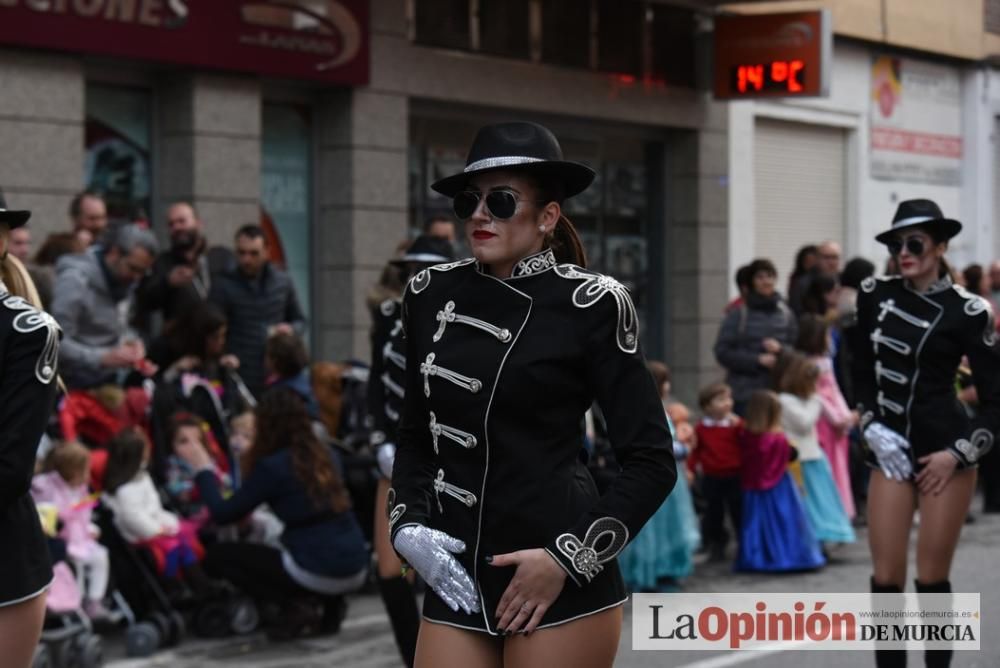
[489, 559]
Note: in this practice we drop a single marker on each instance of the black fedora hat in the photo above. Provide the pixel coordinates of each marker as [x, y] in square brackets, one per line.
[427, 250]
[921, 213]
[12, 218]
[523, 146]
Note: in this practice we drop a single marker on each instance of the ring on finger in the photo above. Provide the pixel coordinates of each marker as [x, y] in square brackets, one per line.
[526, 607]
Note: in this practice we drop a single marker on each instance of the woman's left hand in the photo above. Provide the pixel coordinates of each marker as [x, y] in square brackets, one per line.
[195, 455]
[937, 471]
[535, 586]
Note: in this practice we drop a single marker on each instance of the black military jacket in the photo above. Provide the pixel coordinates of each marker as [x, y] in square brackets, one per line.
[499, 376]
[29, 351]
[387, 378]
[905, 377]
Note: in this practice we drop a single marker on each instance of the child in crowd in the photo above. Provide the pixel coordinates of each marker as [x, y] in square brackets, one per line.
[775, 535]
[664, 549]
[138, 514]
[183, 430]
[836, 419]
[65, 488]
[717, 455]
[800, 411]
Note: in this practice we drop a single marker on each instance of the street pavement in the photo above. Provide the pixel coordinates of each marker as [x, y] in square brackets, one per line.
[366, 640]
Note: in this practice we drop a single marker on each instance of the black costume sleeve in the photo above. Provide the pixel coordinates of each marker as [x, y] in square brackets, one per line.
[641, 439]
[26, 401]
[984, 357]
[376, 388]
[414, 467]
[863, 360]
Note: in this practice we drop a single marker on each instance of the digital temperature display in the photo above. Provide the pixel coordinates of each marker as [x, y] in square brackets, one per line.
[786, 76]
[772, 55]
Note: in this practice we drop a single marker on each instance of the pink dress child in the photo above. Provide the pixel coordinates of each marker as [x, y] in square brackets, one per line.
[834, 423]
[74, 505]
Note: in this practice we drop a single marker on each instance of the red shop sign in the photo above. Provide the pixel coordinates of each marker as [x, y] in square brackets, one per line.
[323, 40]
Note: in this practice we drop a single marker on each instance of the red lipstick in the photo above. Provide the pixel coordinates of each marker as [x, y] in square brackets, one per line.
[482, 235]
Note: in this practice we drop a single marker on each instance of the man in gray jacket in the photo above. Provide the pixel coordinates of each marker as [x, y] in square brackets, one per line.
[91, 300]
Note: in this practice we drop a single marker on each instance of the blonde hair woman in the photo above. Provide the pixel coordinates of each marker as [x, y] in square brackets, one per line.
[29, 348]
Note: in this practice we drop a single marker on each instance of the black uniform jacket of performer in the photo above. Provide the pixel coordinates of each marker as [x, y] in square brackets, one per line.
[387, 379]
[905, 377]
[499, 376]
[29, 351]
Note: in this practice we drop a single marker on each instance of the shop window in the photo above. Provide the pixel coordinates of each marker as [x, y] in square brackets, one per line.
[117, 156]
[566, 32]
[992, 16]
[672, 45]
[286, 175]
[619, 36]
[443, 23]
[504, 28]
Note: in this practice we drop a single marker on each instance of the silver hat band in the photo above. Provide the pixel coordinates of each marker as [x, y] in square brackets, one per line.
[424, 257]
[914, 220]
[502, 161]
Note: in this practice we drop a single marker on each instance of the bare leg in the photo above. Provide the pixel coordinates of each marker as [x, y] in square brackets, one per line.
[442, 646]
[20, 627]
[941, 520]
[890, 517]
[588, 642]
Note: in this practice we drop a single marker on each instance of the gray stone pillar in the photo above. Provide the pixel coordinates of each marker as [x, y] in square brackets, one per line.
[362, 199]
[697, 247]
[41, 132]
[209, 150]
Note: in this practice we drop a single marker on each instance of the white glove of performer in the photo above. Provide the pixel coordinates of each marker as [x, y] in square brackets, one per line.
[385, 456]
[891, 450]
[429, 552]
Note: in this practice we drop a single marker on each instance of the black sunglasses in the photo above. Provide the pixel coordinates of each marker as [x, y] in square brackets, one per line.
[914, 246]
[500, 204]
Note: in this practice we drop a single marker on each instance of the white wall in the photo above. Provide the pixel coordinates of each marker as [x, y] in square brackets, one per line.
[871, 203]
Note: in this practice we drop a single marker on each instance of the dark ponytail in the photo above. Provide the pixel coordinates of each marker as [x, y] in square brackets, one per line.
[566, 244]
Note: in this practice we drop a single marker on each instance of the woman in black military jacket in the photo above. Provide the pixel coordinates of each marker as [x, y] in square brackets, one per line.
[920, 325]
[386, 389]
[29, 343]
[505, 353]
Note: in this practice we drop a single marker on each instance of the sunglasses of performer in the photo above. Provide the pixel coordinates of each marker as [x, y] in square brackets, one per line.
[500, 204]
[914, 246]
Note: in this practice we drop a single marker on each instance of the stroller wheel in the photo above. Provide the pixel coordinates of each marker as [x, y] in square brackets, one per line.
[244, 616]
[178, 629]
[212, 620]
[89, 651]
[42, 658]
[162, 624]
[141, 640]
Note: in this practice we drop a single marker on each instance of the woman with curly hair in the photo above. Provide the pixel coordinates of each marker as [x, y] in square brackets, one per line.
[322, 550]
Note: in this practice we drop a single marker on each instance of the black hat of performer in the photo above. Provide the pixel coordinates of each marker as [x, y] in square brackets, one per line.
[922, 213]
[522, 146]
[11, 217]
[426, 249]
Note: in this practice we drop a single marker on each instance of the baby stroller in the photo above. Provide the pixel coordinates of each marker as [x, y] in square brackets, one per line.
[166, 615]
[67, 641]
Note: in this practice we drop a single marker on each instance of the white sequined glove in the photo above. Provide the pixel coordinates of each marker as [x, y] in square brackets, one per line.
[429, 552]
[891, 449]
[385, 456]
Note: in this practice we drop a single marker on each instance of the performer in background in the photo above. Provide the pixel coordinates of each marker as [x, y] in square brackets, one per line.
[386, 389]
[920, 325]
[29, 351]
[491, 503]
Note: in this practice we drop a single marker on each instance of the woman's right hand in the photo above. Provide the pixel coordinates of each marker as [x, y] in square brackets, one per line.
[430, 553]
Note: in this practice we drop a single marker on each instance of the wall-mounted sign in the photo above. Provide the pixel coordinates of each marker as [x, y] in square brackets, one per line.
[916, 121]
[324, 40]
[773, 55]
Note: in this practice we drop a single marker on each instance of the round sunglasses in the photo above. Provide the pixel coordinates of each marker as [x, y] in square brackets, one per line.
[914, 246]
[500, 204]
